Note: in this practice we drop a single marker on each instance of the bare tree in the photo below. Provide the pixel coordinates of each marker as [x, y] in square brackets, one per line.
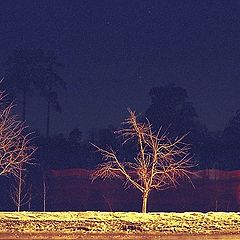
[159, 164]
[19, 192]
[15, 144]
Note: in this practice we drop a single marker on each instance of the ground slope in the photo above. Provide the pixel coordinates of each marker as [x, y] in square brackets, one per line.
[120, 222]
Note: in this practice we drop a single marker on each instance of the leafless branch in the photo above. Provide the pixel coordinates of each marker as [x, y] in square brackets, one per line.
[15, 144]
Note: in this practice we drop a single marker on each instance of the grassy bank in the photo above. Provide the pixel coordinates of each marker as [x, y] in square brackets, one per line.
[119, 222]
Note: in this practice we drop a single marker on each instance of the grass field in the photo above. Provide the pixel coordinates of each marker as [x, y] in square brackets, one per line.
[120, 222]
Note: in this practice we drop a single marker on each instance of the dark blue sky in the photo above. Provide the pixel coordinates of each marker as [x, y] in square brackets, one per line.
[115, 51]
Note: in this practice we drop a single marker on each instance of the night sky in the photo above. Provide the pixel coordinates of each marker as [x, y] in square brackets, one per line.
[114, 52]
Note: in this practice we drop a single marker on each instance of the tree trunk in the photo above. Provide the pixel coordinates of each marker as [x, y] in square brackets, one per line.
[47, 158]
[144, 202]
[19, 190]
[44, 192]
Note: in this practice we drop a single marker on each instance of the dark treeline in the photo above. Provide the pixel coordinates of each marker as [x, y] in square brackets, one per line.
[170, 110]
[219, 150]
[34, 70]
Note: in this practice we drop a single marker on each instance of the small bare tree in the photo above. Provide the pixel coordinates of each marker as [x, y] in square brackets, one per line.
[15, 144]
[19, 192]
[159, 164]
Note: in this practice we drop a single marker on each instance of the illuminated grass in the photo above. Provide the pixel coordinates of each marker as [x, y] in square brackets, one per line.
[119, 222]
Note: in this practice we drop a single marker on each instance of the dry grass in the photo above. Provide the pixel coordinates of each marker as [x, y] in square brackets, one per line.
[119, 222]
